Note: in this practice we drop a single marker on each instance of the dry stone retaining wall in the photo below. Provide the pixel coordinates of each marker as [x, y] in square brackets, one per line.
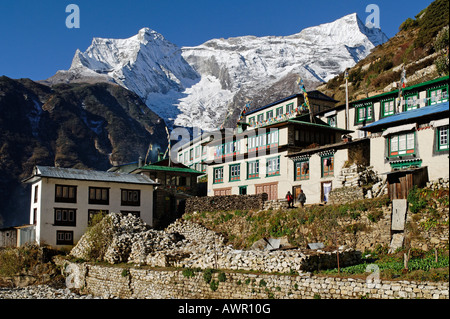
[225, 203]
[117, 282]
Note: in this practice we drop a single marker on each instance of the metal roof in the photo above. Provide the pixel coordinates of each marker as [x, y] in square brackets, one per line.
[170, 169]
[87, 175]
[409, 115]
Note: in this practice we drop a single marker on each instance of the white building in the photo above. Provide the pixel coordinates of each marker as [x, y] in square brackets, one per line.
[64, 200]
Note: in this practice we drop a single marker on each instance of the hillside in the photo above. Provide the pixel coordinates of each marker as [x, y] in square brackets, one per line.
[412, 48]
[68, 125]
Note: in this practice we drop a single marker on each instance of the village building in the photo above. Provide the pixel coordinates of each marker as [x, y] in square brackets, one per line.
[251, 159]
[412, 139]
[63, 200]
[368, 110]
[176, 183]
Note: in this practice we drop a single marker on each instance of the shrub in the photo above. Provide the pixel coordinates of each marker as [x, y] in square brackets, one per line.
[222, 277]
[214, 285]
[188, 272]
[416, 200]
[207, 275]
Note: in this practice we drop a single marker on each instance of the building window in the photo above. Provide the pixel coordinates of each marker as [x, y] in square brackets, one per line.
[438, 95]
[203, 150]
[235, 172]
[94, 212]
[197, 151]
[332, 121]
[34, 216]
[251, 121]
[260, 118]
[388, 107]
[253, 170]
[442, 138]
[65, 194]
[289, 108]
[401, 144]
[131, 197]
[65, 217]
[263, 141]
[99, 195]
[327, 165]
[269, 115]
[273, 166]
[36, 194]
[279, 111]
[227, 149]
[301, 170]
[186, 159]
[218, 175]
[363, 113]
[242, 190]
[191, 154]
[64, 237]
[412, 102]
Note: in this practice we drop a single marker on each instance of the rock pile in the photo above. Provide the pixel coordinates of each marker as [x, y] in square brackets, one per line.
[357, 175]
[41, 292]
[187, 244]
[439, 183]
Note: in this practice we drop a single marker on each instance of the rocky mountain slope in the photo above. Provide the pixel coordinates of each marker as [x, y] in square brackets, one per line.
[69, 125]
[204, 86]
[412, 48]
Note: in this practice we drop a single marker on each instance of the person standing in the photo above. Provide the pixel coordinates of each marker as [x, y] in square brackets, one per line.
[302, 198]
[290, 199]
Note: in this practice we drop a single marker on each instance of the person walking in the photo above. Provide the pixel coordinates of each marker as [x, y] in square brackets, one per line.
[290, 199]
[302, 198]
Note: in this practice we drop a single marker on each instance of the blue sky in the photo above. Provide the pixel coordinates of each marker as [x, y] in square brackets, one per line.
[35, 42]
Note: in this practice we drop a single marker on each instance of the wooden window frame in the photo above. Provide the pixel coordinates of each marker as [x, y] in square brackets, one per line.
[66, 199]
[130, 202]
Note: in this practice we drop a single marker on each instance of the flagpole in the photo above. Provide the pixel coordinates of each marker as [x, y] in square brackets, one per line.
[346, 99]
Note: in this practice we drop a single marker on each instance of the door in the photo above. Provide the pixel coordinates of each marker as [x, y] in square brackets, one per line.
[271, 189]
[296, 191]
[326, 188]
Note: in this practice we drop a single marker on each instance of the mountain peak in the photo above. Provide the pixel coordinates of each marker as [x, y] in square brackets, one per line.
[146, 34]
[197, 86]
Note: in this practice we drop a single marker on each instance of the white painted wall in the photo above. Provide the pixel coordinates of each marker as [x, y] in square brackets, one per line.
[45, 228]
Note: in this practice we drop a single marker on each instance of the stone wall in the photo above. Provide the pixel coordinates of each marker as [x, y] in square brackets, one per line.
[225, 203]
[121, 282]
[344, 195]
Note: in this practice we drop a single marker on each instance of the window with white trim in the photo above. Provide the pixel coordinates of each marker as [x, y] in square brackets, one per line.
[218, 175]
[273, 166]
[442, 137]
[235, 172]
[252, 169]
[402, 144]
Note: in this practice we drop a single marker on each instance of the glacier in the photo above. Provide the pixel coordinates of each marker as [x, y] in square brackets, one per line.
[201, 86]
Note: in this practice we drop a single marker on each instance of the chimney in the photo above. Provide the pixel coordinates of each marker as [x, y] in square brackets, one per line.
[140, 164]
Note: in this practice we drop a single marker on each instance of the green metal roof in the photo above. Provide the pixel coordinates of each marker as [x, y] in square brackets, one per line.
[319, 125]
[406, 89]
[170, 169]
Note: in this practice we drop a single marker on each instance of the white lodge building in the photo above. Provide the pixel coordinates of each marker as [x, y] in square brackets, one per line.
[253, 158]
[64, 200]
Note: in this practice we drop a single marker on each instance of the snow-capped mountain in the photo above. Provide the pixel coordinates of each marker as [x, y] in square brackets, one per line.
[198, 86]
